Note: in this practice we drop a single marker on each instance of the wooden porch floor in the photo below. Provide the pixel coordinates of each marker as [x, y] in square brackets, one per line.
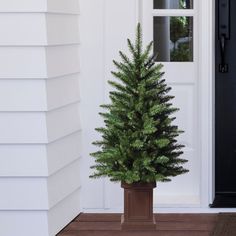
[167, 225]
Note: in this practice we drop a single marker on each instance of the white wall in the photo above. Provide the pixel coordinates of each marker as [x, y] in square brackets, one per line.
[39, 116]
[105, 26]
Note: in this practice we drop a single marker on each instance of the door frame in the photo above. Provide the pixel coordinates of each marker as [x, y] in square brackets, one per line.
[207, 103]
[206, 90]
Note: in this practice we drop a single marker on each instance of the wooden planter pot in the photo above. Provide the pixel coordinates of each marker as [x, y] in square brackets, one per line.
[138, 207]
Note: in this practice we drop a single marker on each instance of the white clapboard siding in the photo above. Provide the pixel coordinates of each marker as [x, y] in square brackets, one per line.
[25, 29]
[63, 6]
[19, 160]
[24, 223]
[39, 160]
[62, 29]
[62, 122]
[67, 85]
[23, 6]
[23, 127]
[62, 60]
[63, 183]
[23, 194]
[40, 138]
[38, 95]
[40, 193]
[38, 127]
[15, 26]
[40, 223]
[39, 62]
[23, 95]
[59, 6]
[13, 67]
[68, 208]
[63, 151]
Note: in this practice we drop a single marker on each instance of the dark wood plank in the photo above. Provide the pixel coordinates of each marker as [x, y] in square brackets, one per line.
[186, 217]
[167, 225]
[90, 217]
[226, 225]
[93, 226]
[127, 233]
[196, 226]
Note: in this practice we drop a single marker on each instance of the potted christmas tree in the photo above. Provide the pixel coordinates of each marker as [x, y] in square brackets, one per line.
[138, 146]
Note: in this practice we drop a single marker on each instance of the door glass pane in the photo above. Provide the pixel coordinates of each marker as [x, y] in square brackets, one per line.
[173, 38]
[173, 4]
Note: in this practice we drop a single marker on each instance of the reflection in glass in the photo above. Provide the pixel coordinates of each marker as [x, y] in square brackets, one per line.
[173, 4]
[173, 38]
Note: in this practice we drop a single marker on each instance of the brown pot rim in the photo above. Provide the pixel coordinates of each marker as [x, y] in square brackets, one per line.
[138, 185]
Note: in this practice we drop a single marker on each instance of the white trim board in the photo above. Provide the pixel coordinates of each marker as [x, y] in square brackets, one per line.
[207, 75]
[194, 210]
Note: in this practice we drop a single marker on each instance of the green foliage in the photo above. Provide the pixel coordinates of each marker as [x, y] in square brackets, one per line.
[180, 27]
[182, 53]
[182, 4]
[139, 140]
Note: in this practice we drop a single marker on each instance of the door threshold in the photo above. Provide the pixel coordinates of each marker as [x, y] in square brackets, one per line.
[224, 201]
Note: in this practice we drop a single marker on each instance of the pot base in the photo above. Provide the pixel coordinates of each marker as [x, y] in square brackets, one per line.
[138, 225]
[138, 207]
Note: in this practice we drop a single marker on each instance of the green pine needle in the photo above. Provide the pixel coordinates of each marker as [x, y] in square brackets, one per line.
[138, 141]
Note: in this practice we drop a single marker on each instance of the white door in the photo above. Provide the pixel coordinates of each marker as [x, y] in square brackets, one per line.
[174, 29]
[174, 25]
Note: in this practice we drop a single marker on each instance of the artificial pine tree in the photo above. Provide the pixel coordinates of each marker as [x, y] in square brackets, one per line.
[139, 140]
